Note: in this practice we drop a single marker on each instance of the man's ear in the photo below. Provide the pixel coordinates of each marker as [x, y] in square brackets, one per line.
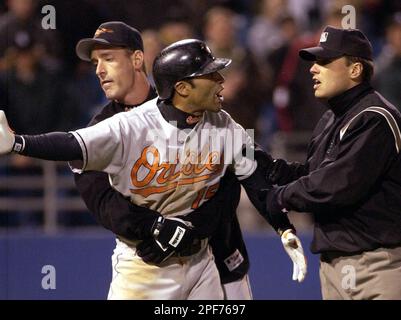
[137, 59]
[183, 88]
[356, 70]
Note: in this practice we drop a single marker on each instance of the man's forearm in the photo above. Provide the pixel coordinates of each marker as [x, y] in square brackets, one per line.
[56, 146]
[111, 209]
[253, 187]
[282, 173]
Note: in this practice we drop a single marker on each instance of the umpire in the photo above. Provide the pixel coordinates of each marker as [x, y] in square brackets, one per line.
[351, 181]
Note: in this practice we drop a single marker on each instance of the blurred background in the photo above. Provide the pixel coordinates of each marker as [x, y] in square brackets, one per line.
[45, 87]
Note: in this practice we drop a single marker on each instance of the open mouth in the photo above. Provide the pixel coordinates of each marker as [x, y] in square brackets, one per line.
[316, 83]
[220, 96]
[105, 82]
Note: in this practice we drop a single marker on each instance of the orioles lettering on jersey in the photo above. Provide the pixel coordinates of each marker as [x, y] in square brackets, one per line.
[170, 175]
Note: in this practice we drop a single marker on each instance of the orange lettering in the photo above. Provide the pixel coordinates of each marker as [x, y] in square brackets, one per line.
[143, 161]
[198, 199]
[167, 175]
[167, 169]
[212, 191]
[206, 193]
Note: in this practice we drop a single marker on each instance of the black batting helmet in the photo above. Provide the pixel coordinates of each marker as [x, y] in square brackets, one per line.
[183, 59]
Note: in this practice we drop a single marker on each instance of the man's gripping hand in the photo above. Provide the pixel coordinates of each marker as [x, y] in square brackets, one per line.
[278, 173]
[152, 251]
[7, 138]
[293, 247]
[174, 233]
[169, 235]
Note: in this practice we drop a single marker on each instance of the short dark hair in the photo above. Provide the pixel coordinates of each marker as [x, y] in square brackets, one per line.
[367, 65]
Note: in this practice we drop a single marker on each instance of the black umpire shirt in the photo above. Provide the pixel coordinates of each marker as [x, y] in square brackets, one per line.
[352, 183]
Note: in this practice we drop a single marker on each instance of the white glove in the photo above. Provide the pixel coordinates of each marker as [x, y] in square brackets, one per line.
[7, 138]
[293, 247]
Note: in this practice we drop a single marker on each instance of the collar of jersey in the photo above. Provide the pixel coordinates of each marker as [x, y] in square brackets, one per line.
[343, 102]
[171, 113]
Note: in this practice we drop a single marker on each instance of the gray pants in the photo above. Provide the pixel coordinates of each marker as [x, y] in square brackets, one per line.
[370, 275]
[238, 290]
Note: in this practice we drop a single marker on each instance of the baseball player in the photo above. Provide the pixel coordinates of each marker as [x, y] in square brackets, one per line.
[119, 214]
[167, 169]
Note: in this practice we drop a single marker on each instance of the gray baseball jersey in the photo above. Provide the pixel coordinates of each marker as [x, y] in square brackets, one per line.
[159, 166]
[169, 170]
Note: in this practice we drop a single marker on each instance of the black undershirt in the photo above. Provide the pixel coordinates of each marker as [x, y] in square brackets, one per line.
[171, 113]
[55, 146]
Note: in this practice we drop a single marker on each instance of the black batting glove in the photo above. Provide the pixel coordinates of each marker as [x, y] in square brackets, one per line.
[151, 251]
[168, 237]
[174, 234]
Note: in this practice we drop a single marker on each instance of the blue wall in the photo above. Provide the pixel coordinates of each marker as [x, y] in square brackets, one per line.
[271, 270]
[83, 267]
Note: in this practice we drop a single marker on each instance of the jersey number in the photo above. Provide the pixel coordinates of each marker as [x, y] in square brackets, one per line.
[206, 193]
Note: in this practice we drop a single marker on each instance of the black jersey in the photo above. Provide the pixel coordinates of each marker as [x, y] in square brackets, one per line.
[352, 184]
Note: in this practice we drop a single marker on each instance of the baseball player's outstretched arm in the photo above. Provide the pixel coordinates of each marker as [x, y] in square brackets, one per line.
[58, 146]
